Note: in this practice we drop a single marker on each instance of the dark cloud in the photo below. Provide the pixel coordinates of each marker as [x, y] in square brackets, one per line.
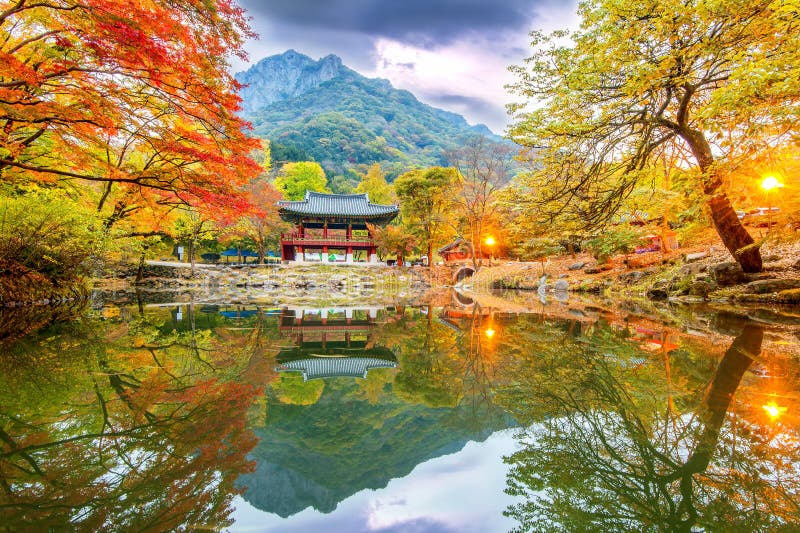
[424, 23]
[351, 28]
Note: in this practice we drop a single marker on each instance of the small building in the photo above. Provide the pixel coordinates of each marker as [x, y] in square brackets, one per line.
[457, 250]
[332, 228]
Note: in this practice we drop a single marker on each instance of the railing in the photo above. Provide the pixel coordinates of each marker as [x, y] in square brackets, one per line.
[294, 238]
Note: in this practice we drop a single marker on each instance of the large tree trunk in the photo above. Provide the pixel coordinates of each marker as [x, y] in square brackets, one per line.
[728, 226]
[733, 234]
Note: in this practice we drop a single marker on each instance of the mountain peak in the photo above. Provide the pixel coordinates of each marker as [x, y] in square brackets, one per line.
[283, 76]
[323, 111]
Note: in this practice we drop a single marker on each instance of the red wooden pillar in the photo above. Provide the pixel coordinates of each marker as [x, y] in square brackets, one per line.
[325, 230]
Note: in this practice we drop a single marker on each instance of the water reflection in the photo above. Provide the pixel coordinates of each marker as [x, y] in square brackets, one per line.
[160, 416]
[323, 441]
[655, 446]
[331, 343]
[99, 422]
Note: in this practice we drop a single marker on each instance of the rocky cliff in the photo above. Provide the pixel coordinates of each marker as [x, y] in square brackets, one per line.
[284, 76]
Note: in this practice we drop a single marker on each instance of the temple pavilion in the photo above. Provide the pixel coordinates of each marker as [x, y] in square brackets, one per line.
[332, 228]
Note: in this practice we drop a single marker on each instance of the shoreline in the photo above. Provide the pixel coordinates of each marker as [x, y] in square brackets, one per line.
[685, 276]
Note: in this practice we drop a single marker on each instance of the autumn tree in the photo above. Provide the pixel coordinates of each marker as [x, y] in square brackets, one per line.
[295, 179]
[709, 79]
[483, 167]
[392, 240]
[260, 225]
[374, 184]
[134, 97]
[190, 228]
[426, 200]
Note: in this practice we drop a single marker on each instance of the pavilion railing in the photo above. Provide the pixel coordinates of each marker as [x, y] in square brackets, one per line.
[295, 238]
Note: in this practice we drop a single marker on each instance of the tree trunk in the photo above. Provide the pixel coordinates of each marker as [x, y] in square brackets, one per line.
[728, 226]
[140, 270]
[738, 358]
[733, 234]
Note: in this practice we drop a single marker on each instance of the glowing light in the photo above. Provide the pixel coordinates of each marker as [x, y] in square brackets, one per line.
[771, 182]
[490, 241]
[773, 410]
[489, 333]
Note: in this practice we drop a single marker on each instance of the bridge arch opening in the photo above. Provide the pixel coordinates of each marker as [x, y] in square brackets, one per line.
[463, 273]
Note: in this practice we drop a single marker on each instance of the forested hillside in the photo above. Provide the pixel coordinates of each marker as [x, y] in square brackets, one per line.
[342, 119]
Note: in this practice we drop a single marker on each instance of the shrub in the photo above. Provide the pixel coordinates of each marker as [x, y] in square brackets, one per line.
[44, 231]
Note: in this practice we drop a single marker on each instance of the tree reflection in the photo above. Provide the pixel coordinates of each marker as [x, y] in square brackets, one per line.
[612, 450]
[120, 425]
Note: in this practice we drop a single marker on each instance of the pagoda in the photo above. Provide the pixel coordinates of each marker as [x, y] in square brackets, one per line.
[332, 228]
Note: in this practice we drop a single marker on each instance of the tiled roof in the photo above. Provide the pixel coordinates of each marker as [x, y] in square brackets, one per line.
[456, 243]
[337, 205]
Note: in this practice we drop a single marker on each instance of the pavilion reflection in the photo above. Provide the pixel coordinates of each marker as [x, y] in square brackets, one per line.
[332, 342]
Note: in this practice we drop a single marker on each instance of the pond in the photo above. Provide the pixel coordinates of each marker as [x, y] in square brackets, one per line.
[463, 413]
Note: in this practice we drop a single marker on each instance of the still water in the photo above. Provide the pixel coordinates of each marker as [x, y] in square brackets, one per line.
[465, 413]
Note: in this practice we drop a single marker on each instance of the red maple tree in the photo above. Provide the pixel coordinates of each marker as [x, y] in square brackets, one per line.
[134, 96]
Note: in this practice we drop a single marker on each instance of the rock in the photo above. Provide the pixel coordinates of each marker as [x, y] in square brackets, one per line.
[561, 285]
[768, 286]
[691, 269]
[760, 276]
[689, 258]
[592, 270]
[577, 266]
[796, 266]
[607, 266]
[686, 299]
[562, 276]
[726, 274]
[543, 282]
[791, 296]
[632, 277]
[701, 288]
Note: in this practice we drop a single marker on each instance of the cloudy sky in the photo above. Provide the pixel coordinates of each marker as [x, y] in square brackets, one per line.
[451, 54]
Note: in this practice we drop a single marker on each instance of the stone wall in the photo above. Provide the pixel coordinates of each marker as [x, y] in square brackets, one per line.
[278, 282]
